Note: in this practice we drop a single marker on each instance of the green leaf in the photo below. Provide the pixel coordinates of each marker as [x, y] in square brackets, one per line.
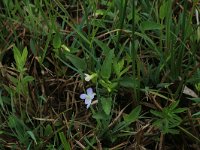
[118, 66]
[103, 46]
[179, 110]
[196, 114]
[32, 136]
[196, 100]
[149, 25]
[119, 126]
[32, 46]
[128, 82]
[106, 68]
[106, 104]
[12, 121]
[20, 59]
[13, 80]
[24, 57]
[79, 63]
[17, 57]
[57, 41]
[163, 10]
[157, 113]
[27, 79]
[173, 131]
[1, 100]
[133, 116]
[174, 105]
[48, 130]
[100, 116]
[65, 143]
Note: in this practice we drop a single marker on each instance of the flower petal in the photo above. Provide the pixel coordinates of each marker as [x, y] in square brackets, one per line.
[88, 101]
[87, 77]
[88, 105]
[89, 91]
[83, 96]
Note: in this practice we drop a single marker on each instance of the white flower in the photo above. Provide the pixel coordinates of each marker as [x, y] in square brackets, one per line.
[89, 77]
[88, 97]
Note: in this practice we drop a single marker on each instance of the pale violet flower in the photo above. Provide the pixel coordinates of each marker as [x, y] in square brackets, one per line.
[89, 77]
[88, 97]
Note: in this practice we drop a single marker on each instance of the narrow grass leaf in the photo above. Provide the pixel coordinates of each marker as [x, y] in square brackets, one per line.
[179, 110]
[196, 114]
[133, 116]
[32, 46]
[174, 105]
[196, 100]
[156, 113]
[65, 143]
[103, 46]
[1, 101]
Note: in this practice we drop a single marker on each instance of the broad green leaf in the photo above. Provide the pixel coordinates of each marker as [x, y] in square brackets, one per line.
[163, 10]
[109, 85]
[24, 57]
[48, 130]
[121, 64]
[106, 104]
[118, 66]
[128, 82]
[100, 116]
[20, 59]
[17, 57]
[65, 143]
[149, 25]
[106, 68]
[79, 63]
[32, 136]
[133, 116]
[12, 122]
[27, 79]
[57, 41]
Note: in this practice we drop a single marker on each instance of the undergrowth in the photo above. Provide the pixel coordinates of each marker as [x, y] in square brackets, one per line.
[103, 74]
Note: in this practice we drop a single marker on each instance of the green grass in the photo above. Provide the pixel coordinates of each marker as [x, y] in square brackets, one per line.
[142, 60]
